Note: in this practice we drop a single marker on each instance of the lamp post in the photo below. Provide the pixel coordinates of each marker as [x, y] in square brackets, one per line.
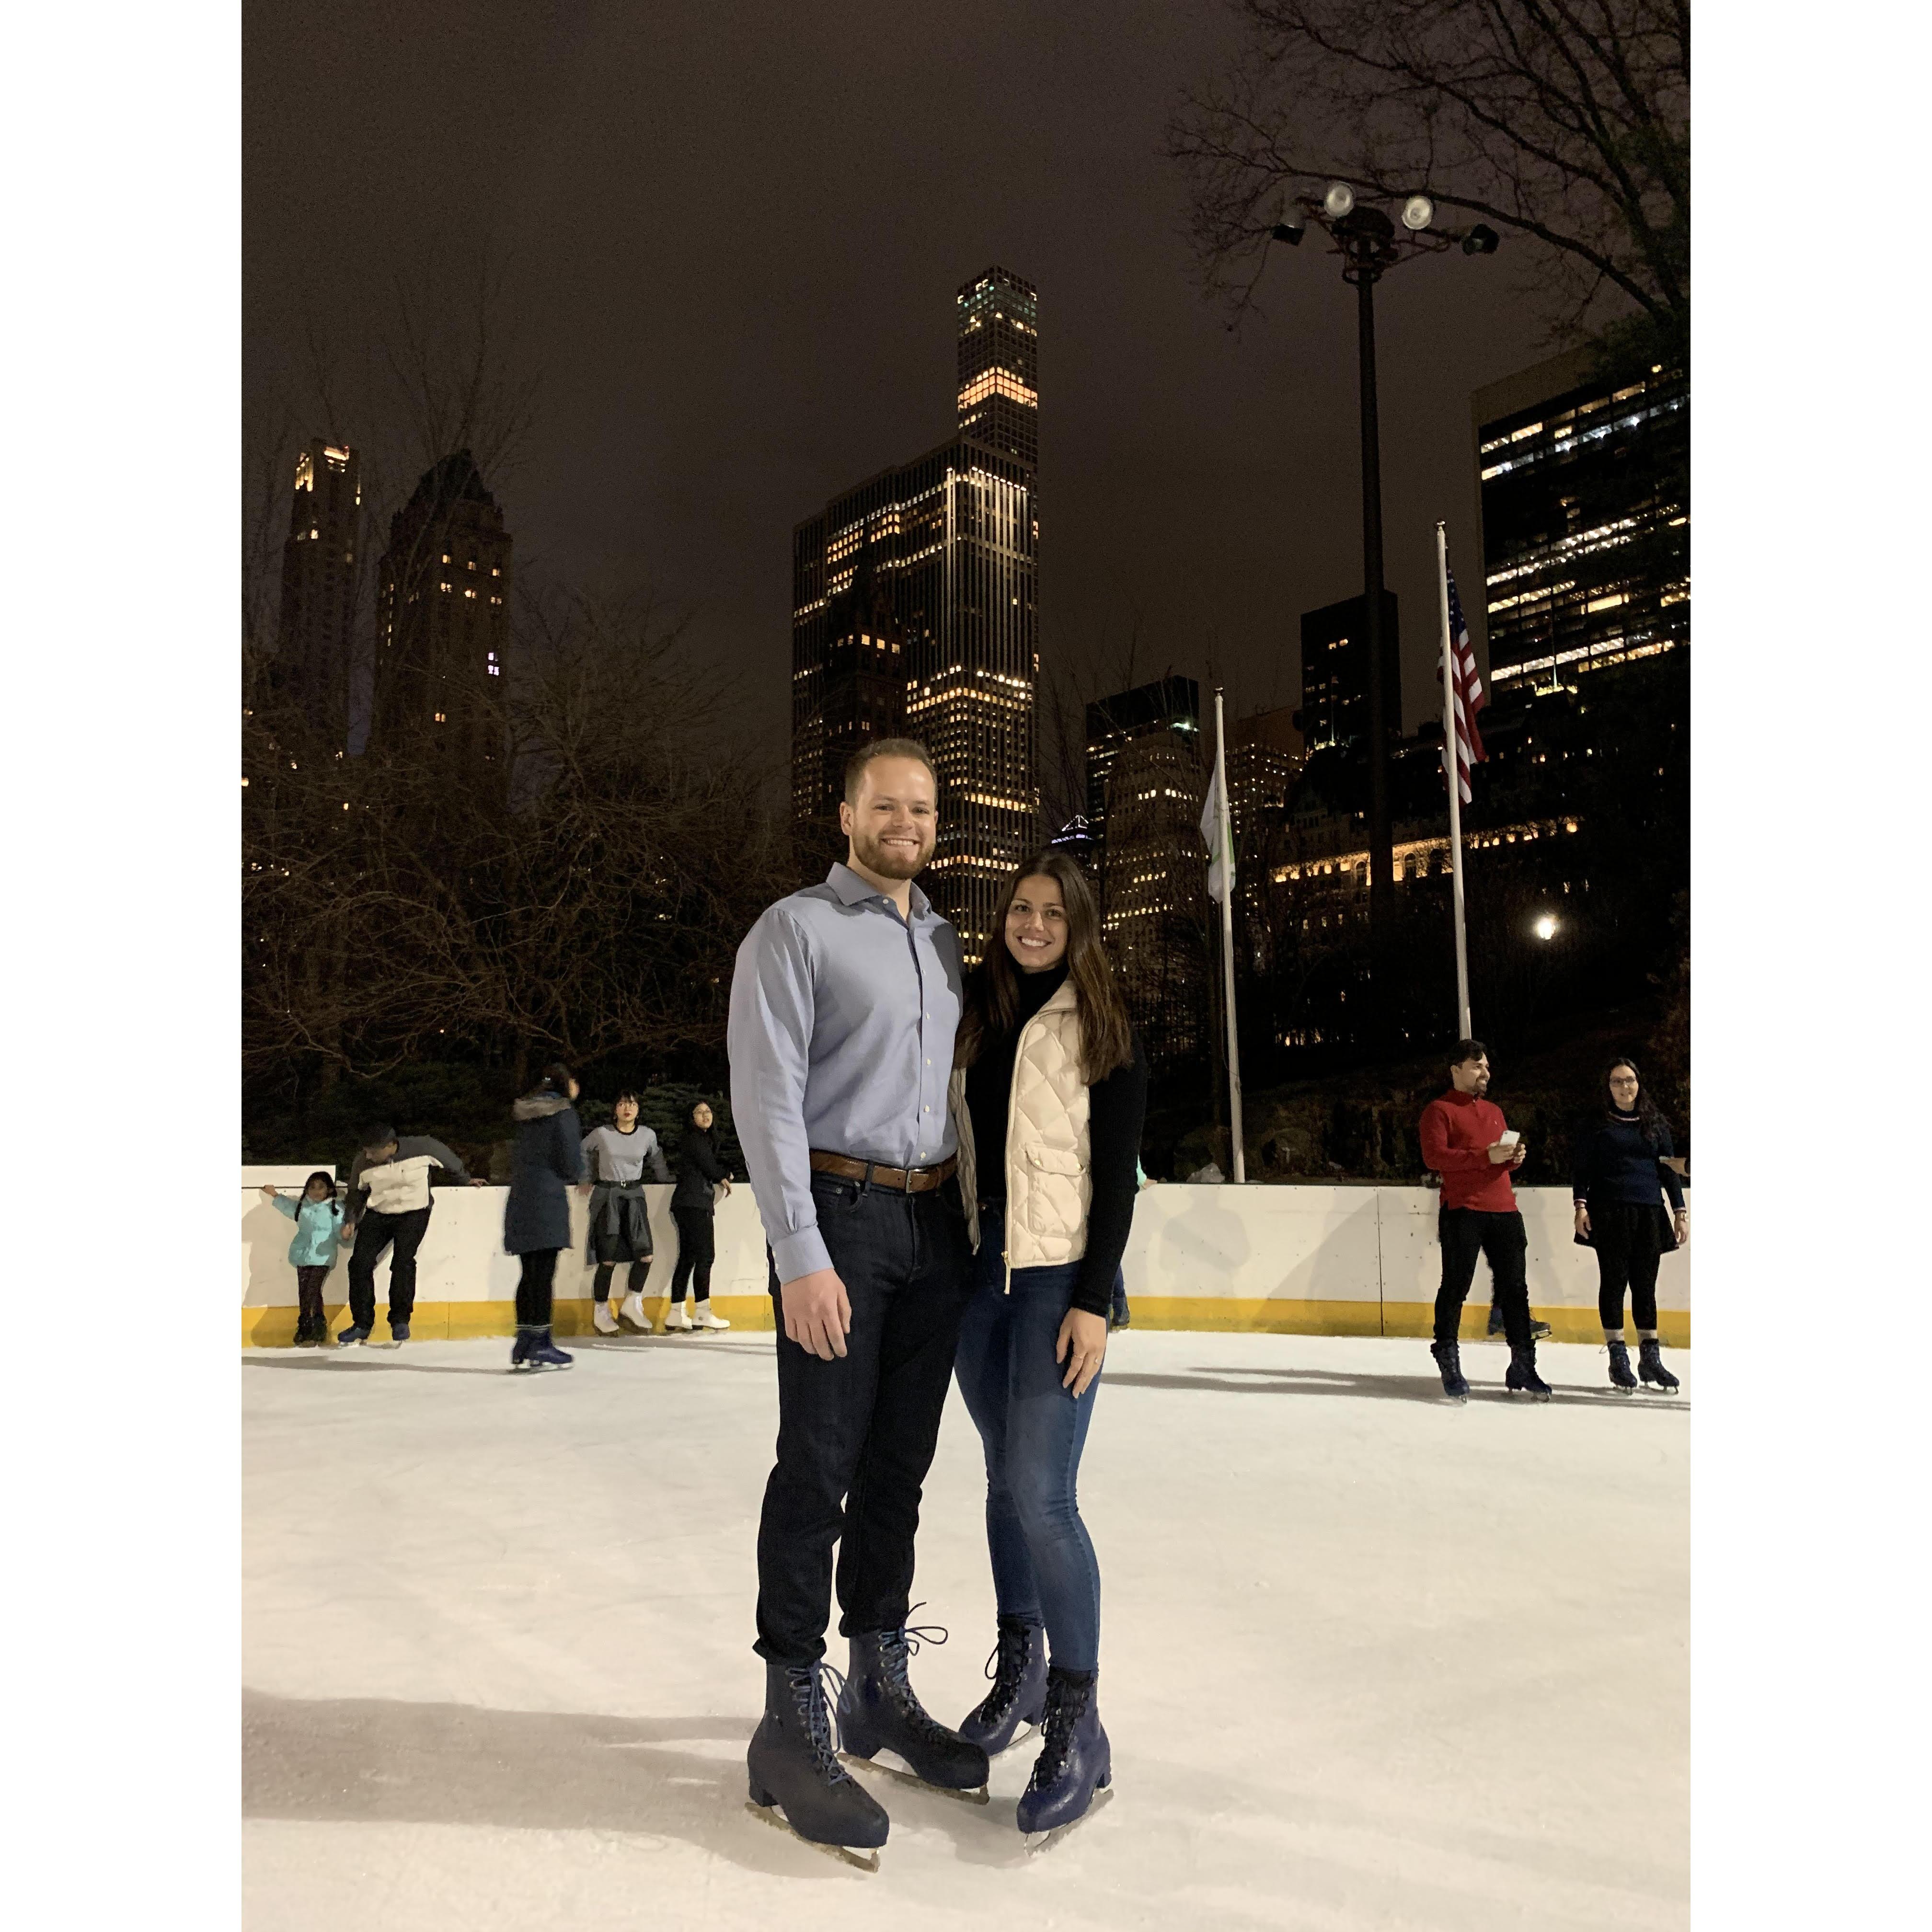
[1369, 244]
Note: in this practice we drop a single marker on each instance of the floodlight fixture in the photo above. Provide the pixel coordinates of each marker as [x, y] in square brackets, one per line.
[1481, 240]
[1339, 199]
[1290, 231]
[1546, 927]
[1417, 211]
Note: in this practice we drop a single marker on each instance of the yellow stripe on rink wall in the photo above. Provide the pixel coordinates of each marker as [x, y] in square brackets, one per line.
[461, 1321]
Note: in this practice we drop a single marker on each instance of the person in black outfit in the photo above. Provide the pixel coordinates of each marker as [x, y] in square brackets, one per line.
[1622, 1157]
[546, 1159]
[693, 1207]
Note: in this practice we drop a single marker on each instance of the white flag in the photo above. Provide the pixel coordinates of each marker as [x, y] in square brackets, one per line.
[1214, 830]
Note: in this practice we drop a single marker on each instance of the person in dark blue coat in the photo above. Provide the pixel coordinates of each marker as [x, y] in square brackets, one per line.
[1620, 1170]
[546, 1159]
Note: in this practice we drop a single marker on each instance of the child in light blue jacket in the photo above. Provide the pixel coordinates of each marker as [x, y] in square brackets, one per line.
[318, 1220]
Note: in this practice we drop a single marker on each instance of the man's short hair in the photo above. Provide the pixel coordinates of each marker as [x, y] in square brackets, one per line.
[379, 1135]
[884, 747]
[1467, 1050]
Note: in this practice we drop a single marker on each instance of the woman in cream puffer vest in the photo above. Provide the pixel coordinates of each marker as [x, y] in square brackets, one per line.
[1049, 1088]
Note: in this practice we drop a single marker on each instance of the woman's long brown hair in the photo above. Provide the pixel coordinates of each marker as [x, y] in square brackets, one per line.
[992, 1004]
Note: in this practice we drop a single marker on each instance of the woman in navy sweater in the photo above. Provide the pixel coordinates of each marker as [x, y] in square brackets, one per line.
[1621, 1161]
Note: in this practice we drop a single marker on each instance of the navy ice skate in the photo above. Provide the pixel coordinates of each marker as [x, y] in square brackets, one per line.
[399, 1331]
[352, 1338]
[1620, 1377]
[1017, 1668]
[1449, 1359]
[1650, 1365]
[792, 1768]
[535, 1350]
[1523, 1378]
[1076, 1760]
[878, 1711]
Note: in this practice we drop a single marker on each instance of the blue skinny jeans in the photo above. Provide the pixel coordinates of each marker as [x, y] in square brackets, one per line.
[1033, 1431]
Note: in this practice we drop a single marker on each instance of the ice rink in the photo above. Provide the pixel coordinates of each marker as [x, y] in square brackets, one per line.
[1368, 1660]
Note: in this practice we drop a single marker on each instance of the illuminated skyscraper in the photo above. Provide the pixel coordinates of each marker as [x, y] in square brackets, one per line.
[1586, 520]
[937, 558]
[442, 627]
[999, 365]
[318, 617]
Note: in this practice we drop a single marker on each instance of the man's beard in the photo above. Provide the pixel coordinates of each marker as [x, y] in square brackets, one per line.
[891, 862]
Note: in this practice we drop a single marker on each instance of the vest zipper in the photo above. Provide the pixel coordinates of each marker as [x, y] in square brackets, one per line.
[1012, 1091]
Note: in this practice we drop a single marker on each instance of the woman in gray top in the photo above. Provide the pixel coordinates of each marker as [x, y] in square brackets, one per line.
[615, 1158]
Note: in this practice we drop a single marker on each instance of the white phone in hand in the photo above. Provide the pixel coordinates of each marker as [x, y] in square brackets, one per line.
[1509, 1138]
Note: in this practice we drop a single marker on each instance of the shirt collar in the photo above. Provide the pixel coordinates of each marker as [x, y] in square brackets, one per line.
[851, 889]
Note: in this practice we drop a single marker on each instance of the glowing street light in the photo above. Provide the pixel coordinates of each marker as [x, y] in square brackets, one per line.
[1546, 927]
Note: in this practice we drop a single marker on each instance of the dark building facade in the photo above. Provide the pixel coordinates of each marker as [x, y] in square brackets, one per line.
[926, 575]
[1169, 704]
[1335, 672]
[1586, 530]
[443, 628]
[315, 644]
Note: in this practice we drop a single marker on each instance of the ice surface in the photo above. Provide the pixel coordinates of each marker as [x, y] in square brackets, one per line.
[1368, 1660]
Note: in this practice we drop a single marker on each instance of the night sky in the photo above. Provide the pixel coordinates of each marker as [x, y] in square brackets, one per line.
[733, 233]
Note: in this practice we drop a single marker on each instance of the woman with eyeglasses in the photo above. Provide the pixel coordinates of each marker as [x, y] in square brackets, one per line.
[1620, 1170]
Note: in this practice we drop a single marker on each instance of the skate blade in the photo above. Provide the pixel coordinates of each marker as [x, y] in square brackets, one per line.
[865, 1861]
[1042, 1841]
[906, 1775]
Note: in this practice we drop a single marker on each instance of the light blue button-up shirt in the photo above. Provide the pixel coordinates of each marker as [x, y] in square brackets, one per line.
[840, 1039]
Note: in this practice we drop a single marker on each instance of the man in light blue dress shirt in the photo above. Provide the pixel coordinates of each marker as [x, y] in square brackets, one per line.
[843, 1006]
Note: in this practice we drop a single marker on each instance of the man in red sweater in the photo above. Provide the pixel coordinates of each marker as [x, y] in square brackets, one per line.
[1463, 1141]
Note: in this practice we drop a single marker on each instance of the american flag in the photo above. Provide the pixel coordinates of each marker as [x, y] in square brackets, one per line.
[1469, 698]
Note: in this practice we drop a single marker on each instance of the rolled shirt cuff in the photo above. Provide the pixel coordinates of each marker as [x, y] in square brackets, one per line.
[804, 1253]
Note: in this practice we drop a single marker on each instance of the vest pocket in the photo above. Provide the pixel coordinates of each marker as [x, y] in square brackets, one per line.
[1054, 1160]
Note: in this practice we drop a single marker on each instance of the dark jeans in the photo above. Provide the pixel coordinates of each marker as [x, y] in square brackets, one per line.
[533, 1288]
[1626, 1238]
[1119, 1311]
[374, 1233]
[856, 1434]
[310, 1318]
[1033, 1431]
[696, 1248]
[1465, 1233]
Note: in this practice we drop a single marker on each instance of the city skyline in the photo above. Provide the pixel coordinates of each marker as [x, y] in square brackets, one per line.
[1202, 480]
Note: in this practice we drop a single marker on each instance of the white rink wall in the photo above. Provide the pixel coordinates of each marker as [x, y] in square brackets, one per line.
[1308, 1260]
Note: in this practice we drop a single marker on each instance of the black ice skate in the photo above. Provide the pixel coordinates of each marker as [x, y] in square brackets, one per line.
[793, 1769]
[1523, 1378]
[1017, 1668]
[1076, 1760]
[1620, 1377]
[1650, 1365]
[1449, 1359]
[878, 1711]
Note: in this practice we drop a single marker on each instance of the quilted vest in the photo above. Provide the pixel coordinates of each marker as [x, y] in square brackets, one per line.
[1049, 1179]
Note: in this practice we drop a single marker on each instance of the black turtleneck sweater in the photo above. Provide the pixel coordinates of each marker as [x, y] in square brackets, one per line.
[1116, 1107]
[1611, 1160]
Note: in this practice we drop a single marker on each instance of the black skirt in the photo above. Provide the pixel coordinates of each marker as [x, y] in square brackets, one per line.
[620, 1225]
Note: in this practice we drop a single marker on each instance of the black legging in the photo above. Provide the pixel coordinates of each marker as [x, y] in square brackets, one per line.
[533, 1288]
[696, 1248]
[633, 1279]
[1626, 1236]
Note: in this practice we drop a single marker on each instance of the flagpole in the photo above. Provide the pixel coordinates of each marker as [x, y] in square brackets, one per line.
[1225, 841]
[1451, 767]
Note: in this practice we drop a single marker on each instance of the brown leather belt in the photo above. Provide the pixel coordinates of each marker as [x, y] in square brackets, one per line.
[900, 1180]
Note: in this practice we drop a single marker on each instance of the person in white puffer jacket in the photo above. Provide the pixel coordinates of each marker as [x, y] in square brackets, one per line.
[1048, 1095]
